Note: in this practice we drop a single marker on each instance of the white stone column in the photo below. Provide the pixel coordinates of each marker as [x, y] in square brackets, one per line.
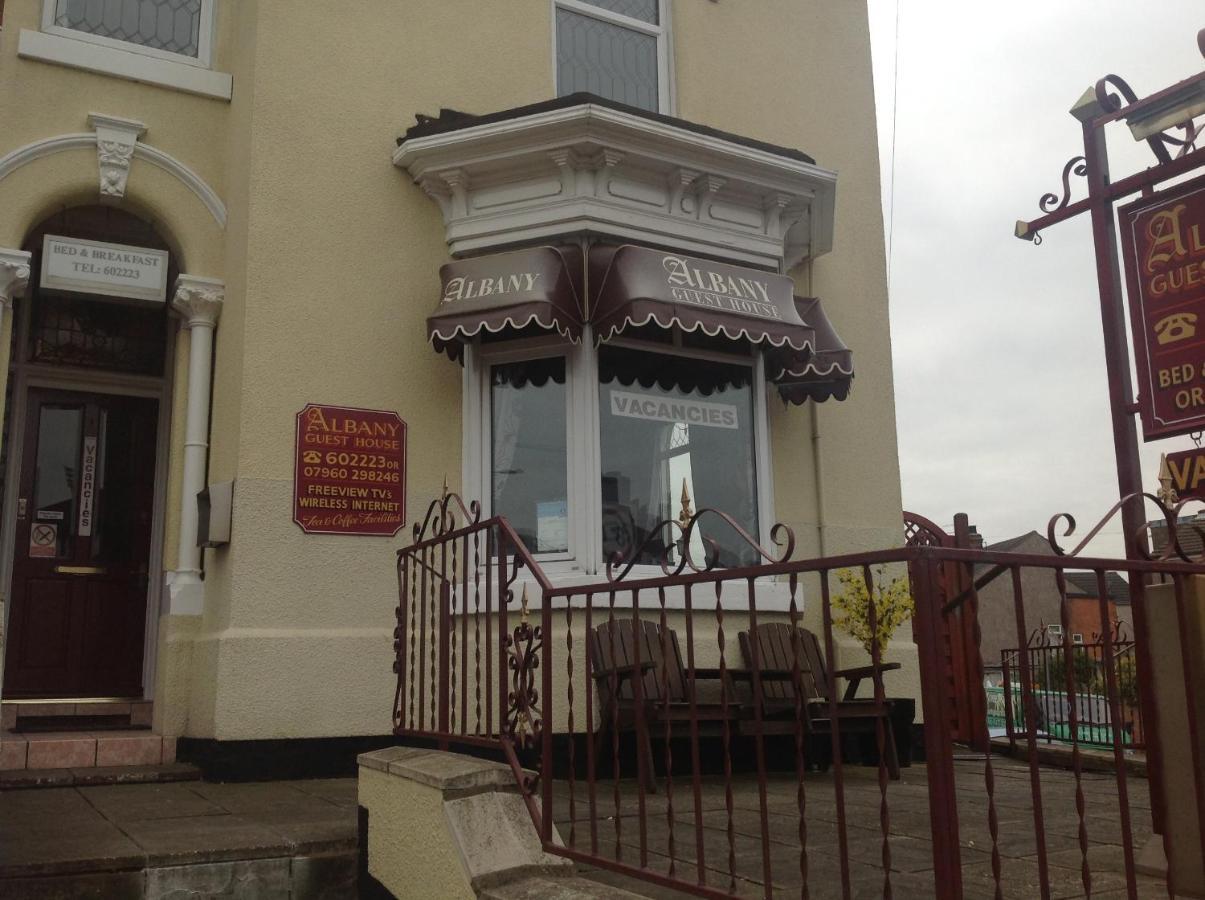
[199, 301]
[14, 276]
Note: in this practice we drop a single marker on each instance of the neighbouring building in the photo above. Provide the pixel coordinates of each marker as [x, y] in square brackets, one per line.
[563, 254]
[1042, 608]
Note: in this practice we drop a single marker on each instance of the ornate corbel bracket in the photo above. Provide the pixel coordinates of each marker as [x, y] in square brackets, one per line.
[457, 181]
[706, 189]
[680, 181]
[14, 275]
[115, 140]
[199, 300]
[435, 188]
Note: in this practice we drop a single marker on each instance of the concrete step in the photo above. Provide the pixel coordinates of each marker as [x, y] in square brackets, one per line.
[14, 779]
[541, 888]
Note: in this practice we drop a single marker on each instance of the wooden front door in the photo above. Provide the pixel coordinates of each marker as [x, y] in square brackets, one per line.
[83, 538]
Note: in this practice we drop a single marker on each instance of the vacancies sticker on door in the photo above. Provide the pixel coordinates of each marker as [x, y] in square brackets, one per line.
[349, 473]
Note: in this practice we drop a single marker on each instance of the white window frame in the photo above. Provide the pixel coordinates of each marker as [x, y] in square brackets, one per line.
[204, 37]
[583, 450]
[666, 94]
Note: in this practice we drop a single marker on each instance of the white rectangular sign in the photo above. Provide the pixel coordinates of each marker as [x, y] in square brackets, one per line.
[93, 267]
[87, 488]
[673, 409]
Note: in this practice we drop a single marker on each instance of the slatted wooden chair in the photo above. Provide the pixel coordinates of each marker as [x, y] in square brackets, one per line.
[618, 652]
[776, 666]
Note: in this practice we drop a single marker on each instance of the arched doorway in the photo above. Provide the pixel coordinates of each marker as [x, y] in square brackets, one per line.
[85, 428]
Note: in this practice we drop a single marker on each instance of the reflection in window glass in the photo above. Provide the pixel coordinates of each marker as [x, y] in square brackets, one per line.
[57, 477]
[666, 421]
[529, 462]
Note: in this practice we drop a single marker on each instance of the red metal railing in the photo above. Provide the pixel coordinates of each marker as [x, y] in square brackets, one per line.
[750, 778]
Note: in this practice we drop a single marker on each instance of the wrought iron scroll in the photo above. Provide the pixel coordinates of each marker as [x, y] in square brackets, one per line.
[442, 515]
[523, 724]
[1171, 515]
[1049, 203]
[781, 536]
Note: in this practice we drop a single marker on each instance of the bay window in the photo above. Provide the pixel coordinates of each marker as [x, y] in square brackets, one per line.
[587, 452]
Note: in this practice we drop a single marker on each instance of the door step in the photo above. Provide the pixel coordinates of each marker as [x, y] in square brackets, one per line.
[75, 750]
[74, 715]
[14, 779]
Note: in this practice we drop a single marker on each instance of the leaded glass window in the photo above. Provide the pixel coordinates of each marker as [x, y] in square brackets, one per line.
[96, 334]
[173, 26]
[613, 48]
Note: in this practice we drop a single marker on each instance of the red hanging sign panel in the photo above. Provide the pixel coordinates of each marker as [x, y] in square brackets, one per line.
[349, 473]
[1163, 242]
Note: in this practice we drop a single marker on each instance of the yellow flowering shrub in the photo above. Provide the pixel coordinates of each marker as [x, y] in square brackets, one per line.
[893, 605]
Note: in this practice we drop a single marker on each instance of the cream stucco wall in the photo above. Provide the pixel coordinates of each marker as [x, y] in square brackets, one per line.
[330, 257]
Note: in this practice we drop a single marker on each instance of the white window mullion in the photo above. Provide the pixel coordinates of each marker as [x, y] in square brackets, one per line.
[761, 452]
[590, 513]
[474, 430]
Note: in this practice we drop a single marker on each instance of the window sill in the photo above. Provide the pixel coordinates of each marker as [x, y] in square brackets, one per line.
[133, 66]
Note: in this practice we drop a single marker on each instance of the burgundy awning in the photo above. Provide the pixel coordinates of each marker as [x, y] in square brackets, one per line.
[822, 371]
[519, 292]
[635, 286]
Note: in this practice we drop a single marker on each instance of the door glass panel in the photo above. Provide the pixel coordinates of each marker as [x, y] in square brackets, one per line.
[125, 461]
[56, 480]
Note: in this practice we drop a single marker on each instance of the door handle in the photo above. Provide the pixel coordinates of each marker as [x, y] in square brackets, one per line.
[80, 570]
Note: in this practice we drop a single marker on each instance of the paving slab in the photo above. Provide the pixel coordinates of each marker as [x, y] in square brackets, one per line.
[137, 802]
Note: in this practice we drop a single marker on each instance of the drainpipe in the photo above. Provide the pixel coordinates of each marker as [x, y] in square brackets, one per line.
[818, 464]
[199, 301]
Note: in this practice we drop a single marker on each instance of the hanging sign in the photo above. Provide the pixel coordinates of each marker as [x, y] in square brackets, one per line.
[93, 267]
[349, 472]
[1187, 470]
[1163, 241]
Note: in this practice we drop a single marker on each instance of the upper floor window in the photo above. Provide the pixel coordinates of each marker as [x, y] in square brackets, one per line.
[617, 49]
[173, 29]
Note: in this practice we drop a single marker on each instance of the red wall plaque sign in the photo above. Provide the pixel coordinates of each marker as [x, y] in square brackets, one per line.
[1163, 240]
[349, 474]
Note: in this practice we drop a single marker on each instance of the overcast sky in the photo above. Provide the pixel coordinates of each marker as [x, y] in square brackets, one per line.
[1001, 394]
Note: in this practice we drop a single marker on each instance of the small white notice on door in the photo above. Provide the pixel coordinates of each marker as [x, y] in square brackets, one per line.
[87, 487]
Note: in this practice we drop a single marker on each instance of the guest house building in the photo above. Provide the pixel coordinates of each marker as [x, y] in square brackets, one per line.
[275, 273]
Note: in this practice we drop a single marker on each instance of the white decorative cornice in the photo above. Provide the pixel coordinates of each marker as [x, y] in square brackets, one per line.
[592, 169]
[14, 275]
[115, 140]
[199, 300]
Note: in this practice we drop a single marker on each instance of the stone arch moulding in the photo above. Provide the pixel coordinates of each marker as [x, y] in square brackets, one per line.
[22, 156]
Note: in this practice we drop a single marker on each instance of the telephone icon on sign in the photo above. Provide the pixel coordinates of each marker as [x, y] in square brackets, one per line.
[1176, 327]
[311, 456]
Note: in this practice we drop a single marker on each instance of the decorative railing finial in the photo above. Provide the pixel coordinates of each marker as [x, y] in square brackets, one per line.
[687, 513]
[1166, 492]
